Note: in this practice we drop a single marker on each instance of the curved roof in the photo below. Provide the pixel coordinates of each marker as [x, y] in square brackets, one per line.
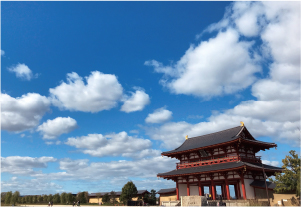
[208, 139]
[223, 166]
[168, 190]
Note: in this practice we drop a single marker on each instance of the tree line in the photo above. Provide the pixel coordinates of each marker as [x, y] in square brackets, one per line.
[63, 198]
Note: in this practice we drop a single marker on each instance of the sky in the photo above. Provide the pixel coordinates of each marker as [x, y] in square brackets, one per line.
[93, 92]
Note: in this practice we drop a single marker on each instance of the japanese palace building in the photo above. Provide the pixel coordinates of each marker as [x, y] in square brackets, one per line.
[220, 159]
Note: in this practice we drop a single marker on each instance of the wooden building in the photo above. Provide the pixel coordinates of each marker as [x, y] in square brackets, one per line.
[97, 197]
[220, 159]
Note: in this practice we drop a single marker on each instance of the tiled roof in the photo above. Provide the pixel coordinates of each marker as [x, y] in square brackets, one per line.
[168, 190]
[215, 167]
[118, 193]
[208, 139]
[261, 184]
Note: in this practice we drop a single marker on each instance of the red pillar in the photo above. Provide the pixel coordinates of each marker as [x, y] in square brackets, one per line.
[188, 190]
[227, 189]
[212, 189]
[243, 187]
[200, 189]
[177, 191]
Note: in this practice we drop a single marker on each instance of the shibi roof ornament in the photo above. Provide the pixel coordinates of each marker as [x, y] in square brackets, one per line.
[242, 123]
[186, 137]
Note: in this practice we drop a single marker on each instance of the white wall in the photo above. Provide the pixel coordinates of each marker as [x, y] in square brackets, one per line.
[182, 190]
[194, 190]
[249, 189]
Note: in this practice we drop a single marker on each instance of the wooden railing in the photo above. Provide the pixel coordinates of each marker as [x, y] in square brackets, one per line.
[255, 159]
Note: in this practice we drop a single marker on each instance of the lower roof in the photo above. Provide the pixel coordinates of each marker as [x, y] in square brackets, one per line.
[261, 184]
[168, 190]
[217, 167]
[118, 193]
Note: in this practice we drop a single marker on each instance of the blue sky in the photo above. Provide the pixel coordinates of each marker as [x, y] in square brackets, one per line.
[93, 92]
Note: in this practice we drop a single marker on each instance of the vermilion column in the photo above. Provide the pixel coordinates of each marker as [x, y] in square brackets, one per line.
[243, 187]
[177, 191]
[188, 190]
[200, 189]
[227, 189]
[212, 189]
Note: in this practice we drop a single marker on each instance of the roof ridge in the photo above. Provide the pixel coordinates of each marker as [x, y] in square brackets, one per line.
[214, 133]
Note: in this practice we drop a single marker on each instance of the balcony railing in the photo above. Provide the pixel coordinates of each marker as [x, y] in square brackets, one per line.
[255, 159]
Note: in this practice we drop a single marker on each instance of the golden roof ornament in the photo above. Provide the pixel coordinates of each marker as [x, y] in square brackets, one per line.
[242, 123]
[186, 137]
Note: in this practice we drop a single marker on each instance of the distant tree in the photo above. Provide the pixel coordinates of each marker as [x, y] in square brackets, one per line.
[30, 199]
[106, 198]
[57, 198]
[40, 199]
[83, 197]
[27, 198]
[34, 199]
[153, 197]
[24, 199]
[8, 197]
[289, 179]
[50, 198]
[3, 197]
[64, 198]
[129, 190]
[146, 198]
[70, 197]
[45, 198]
[15, 197]
[113, 197]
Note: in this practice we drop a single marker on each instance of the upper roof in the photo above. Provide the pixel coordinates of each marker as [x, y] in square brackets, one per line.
[208, 139]
[217, 138]
[223, 166]
[118, 193]
[261, 184]
[168, 190]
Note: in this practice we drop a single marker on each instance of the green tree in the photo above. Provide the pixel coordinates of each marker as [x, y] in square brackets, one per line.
[146, 198]
[45, 198]
[30, 199]
[15, 197]
[64, 198]
[50, 198]
[106, 198]
[70, 197]
[129, 190]
[34, 199]
[8, 197]
[83, 197]
[153, 197]
[23, 199]
[289, 179]
[3, 197]
[113, 197]
[56, 198]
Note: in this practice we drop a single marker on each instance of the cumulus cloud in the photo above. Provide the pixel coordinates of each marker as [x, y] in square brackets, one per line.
[100, 92]
[22, 113]
[221, 65]
[51, 129]
[2, 53]
[160, 115]
[273, 163]
[113, 144]
[22, 71]
[136, 102]
[24, 165]
[275, 112]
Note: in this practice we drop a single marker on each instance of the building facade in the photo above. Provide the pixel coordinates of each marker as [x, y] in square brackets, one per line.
[219, 159]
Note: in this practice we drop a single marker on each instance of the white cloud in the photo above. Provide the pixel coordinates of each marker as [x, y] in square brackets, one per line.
[24, 165]
[2, 53]
[136, 102]
[109, 145]
[22, 71]
[101, 92]
[22, 113]
[25, 186]
[273, 163]
[51, 129]
[276, 111]
[160, 115]
[221, 65]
